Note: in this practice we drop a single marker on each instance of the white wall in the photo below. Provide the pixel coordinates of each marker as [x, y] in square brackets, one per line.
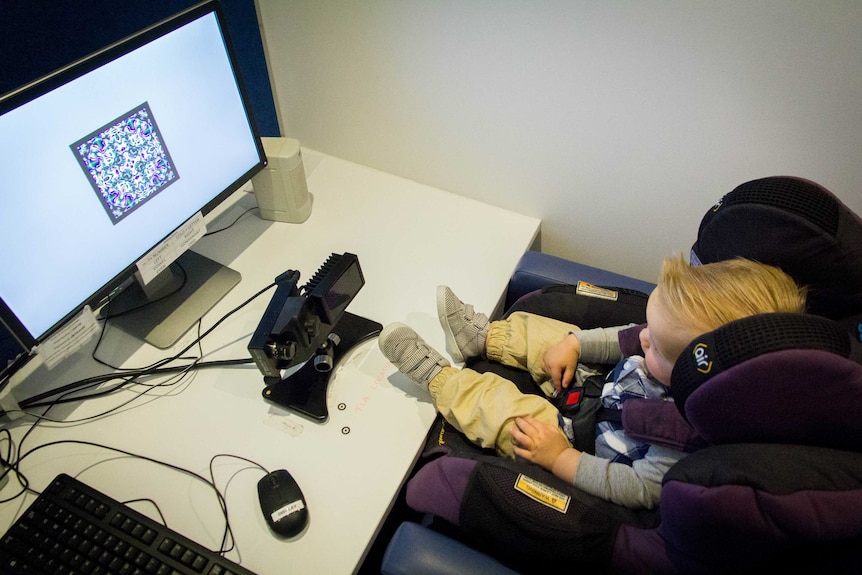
[619, 123]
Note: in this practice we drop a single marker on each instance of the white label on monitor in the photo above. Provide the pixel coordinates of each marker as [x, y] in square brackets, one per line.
[70, 338]
[173, 247]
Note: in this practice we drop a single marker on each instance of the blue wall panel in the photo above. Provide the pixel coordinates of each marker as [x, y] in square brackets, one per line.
[39, 36]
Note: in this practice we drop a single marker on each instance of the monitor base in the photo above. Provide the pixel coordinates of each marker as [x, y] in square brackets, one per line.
[161, 320]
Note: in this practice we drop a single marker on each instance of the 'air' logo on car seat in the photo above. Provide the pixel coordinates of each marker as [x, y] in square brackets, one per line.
[701, 358]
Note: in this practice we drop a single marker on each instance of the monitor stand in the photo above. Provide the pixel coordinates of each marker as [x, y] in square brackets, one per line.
[304, 391]
[174, 301]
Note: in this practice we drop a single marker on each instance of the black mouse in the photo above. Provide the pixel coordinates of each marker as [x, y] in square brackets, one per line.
[282, 503]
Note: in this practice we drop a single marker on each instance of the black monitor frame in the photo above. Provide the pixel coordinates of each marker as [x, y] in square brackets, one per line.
[76, 69]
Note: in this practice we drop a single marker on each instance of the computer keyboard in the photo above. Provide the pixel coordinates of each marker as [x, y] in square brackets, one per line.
[72, 528]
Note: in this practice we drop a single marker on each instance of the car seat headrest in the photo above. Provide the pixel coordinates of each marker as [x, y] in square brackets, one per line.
[798, 226]
[773, 378]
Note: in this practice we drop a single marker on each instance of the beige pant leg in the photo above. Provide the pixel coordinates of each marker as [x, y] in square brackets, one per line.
[483, 406]
[521, 341]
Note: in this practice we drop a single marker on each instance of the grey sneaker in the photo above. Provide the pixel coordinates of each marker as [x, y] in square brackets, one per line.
[410, 354]
[465, 328]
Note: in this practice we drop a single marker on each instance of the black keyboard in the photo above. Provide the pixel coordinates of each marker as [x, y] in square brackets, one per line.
[72, 528]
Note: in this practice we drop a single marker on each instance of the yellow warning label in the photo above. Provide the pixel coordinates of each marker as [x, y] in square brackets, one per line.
[590, 290]
[542, 493]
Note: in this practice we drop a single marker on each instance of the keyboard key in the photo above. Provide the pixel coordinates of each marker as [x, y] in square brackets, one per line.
[73, 528]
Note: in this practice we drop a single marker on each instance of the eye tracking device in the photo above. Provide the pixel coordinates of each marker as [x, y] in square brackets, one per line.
[309, 323]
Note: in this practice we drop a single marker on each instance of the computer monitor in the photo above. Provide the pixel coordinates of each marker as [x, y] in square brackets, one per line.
[103, 160]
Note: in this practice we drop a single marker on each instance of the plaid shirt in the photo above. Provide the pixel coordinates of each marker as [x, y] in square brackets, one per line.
[628, 379]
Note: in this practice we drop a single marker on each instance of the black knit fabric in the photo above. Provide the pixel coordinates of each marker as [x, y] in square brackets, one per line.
[793, 195]
[536, 538]
[798, 226]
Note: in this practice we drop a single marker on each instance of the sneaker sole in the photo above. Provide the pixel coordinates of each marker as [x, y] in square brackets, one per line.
[451, 344]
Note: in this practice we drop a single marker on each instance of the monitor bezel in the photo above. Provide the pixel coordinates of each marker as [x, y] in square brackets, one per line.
[70, 72]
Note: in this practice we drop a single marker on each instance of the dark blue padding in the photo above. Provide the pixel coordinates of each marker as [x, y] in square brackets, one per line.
[536, 270]
[415, 550]
[9, 347]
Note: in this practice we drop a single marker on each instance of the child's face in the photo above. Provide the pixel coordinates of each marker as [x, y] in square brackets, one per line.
[659, 340]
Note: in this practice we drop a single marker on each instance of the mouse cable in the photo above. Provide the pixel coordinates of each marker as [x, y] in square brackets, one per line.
[108, 315]
[228, 542]
[12, 459]
[6, 460]
[66, 392]
[106, 308]
[151, 502]
[13, 465]
[128, 379]
[228, 533]
[155, 369]
[67, 398]
[64, 398]
[200, 337]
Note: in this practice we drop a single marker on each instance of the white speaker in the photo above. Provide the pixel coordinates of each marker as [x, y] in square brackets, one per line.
[280, 188]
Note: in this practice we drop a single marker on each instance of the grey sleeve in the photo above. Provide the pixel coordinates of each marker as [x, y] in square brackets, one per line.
[601, 344]
[637, 486]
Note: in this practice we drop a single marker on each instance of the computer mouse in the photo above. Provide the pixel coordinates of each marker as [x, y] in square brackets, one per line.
[282, 503]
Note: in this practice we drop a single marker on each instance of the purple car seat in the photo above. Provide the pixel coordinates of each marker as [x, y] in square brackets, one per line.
[774, 479]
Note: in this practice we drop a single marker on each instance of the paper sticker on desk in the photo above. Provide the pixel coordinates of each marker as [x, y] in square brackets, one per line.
[590, 290]
[70, 338]
[542, 493]
[297, 505]
[173, 247]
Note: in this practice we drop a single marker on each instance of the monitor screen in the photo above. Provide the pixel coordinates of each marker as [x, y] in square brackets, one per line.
[104, 159]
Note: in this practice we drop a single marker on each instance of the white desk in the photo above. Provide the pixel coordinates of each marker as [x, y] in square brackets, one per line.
[409, 238]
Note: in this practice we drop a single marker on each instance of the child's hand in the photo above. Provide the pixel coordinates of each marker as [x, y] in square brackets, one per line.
[561, 360]
[538, 442]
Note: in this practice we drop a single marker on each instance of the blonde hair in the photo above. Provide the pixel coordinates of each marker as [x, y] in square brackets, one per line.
[699, 299]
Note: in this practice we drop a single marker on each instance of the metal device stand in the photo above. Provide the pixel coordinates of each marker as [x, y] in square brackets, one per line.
[304, 391]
